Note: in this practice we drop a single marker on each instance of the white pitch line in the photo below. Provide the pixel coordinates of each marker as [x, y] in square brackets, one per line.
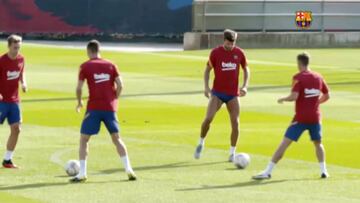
[56, 156]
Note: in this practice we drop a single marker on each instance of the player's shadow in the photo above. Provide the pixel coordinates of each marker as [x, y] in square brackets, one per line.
[61, 176]
[250, 183]
[29, 186]
[44, 185]
[236, 185]
[163, 166]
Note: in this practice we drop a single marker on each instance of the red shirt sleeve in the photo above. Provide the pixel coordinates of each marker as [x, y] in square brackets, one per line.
[243, 61]
[212, 59]
[324, 87]
[116, 72]
[296, 85]
[82, 73]
[22, 69]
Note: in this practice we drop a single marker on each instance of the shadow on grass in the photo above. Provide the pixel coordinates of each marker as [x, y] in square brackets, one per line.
[52, 184]
[164, 166]
[242, 184]
[62, 176]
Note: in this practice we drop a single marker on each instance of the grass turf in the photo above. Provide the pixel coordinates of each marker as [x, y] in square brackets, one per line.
[160, 115]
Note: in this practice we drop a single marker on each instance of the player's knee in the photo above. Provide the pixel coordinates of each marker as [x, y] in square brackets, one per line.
[15, 129]
[119, 143]
[115, 138]
[84, 139]
[318, 143]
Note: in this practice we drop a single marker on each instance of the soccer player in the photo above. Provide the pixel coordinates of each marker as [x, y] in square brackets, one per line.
[105, 86]
[225, 61]
[11, 73]
[309, 90]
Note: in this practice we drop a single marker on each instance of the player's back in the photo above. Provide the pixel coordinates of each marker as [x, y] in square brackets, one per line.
[100, 75]
[310, 85]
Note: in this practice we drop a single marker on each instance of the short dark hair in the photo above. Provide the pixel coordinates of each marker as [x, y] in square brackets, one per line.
[13, 39]
[304, 58]
[93, 46]
[230, 35]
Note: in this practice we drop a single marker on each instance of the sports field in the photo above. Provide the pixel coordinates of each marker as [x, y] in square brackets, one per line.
[160, 114]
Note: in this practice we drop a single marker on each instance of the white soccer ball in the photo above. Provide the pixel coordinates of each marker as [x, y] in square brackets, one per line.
[242, 160]
[72, 167]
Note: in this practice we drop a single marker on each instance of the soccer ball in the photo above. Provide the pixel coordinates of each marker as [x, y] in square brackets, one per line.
[242, 160]
[72, 167]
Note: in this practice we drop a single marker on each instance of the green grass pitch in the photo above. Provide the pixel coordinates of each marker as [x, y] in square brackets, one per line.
[160, 115]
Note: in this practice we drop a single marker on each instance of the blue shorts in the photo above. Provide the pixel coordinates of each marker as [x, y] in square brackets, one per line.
[92, 122]
[223, 97]
[296, 129]
[11, 112]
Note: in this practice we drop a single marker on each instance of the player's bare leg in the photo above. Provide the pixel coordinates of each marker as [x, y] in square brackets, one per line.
[83, 153]
[233, 108]
[11, 144]
[122, 151]
[320, 154]
[213, 106]
[266, 174]
[278, 155]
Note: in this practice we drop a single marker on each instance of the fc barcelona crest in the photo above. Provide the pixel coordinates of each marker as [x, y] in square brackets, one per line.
[303, 19]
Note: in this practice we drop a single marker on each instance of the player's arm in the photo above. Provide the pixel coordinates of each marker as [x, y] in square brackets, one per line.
[207, 71]
[292, 97]
[23, 82]
[79, 95]
[119, 86]
[246, 79]
[296, 88]
[325, 96]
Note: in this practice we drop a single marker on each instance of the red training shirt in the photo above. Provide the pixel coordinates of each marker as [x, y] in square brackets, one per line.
[11, 71]
[100, 75]
[310, 86]
[226, 64]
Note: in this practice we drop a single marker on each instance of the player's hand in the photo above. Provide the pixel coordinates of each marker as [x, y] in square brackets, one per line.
[79, 106]
[24, 88]
[280, 101]
[1, 97]
[207, 92]
[243, 91]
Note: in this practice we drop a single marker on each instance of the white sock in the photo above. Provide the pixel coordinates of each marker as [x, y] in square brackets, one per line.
[82, 172]
[126, 162]
[202, 141]
[8, 155]
[269, 168]
[232, 150]
[323, 167]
